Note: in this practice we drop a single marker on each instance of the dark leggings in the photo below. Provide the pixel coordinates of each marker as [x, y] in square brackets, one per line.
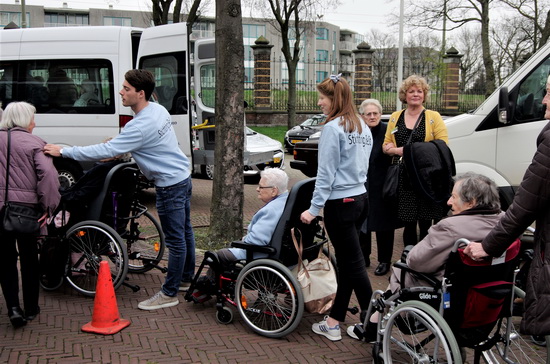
[343, 221]
[27, 250]
[384, 243]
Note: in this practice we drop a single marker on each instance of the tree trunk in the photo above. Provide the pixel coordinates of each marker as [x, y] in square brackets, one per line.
[291, 105]
[486, 49]
[226, 221]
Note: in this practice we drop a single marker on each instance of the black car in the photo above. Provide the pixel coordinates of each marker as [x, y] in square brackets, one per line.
[302, 132]
[305, 153]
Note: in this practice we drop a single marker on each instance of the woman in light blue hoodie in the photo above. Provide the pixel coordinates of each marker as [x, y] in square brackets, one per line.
[344, 150]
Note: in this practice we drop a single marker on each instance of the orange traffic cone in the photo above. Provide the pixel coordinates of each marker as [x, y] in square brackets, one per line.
[105, 318]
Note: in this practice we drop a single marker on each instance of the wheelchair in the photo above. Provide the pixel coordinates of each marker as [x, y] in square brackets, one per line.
[265, 292]
[472, 308]
[111, 226]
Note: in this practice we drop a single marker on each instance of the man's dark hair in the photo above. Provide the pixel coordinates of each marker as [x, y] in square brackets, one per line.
[141, 80]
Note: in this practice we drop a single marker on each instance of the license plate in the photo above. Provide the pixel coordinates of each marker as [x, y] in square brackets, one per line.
[295, 141]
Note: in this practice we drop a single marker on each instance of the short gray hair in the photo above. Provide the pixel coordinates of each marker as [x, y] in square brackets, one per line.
[368, 102]
[478, 188]
[276, 177]
[17, 114]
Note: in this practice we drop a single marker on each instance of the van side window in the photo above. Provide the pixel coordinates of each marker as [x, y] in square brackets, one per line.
[170, 80]
[531, 91]
[7, 83]
[76, 86]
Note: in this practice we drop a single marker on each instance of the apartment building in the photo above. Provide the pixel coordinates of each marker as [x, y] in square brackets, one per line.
[325, 48]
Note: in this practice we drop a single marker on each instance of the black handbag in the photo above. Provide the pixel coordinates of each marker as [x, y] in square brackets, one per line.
[390, 190]
[16, 217]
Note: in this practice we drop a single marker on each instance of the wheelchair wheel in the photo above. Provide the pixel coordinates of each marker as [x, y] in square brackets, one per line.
[224, 315]
[269, 298]
[145, 242]
[521, 349]
[416, 333]
[92, 242]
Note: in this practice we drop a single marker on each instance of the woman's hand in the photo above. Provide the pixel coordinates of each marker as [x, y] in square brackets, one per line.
[306, 217]
[391, 149]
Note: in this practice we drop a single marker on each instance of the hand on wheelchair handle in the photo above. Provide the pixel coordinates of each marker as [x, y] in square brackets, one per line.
[475, 251]
[306, 217]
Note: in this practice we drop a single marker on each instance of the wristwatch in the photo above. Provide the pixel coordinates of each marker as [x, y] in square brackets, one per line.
[61, 152]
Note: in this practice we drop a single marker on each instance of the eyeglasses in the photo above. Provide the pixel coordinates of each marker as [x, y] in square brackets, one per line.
[261, 187]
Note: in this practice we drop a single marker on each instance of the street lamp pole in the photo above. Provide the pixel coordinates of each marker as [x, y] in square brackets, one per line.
[23, 15]
[400, 53]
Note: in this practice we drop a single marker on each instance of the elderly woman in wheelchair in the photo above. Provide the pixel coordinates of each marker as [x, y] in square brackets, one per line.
[432, 266]
[272, 190]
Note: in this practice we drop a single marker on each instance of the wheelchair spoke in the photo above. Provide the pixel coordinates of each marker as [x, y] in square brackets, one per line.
[267, 299]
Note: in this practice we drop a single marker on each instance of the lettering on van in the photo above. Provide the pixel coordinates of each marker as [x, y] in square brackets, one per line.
[165, 128]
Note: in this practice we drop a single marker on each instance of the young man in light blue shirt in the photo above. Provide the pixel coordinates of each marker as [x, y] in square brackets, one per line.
[150, 138]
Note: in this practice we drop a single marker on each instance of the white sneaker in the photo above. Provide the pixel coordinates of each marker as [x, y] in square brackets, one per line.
[331, 333]
[159, 300]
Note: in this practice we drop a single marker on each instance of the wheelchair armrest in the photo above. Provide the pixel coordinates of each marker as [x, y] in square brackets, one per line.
[251, 249]
[430, 278]
[254, 248]
[405, 253]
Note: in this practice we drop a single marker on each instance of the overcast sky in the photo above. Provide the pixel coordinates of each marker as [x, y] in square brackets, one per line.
[357, 15]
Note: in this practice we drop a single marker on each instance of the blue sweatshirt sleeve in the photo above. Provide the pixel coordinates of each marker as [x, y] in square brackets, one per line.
[328, 162]
[127, 141]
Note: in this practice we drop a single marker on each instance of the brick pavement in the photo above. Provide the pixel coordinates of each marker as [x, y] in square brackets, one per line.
[186, 333]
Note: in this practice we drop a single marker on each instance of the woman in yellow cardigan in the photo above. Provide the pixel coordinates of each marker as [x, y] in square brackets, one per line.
[413, 208]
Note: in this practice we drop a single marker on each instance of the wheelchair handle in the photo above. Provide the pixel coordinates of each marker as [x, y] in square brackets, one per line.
[459, 243]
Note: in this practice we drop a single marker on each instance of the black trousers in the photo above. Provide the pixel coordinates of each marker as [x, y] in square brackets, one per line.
[410, 236]
[343, 219]
[384, 243]
[27, 250]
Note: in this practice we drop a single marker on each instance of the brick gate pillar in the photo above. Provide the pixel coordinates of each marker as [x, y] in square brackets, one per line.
[262, 73]
[363, 73]
[451, 81]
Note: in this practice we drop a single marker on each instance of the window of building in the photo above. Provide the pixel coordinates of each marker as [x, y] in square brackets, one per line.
[65, 19]
[115, 20]
[320, 76]
[253, 31]
[321, 55]
[322, 33]
[7, 17]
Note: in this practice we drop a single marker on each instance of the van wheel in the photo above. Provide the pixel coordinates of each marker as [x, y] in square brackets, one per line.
[68, 172]
[208, 171]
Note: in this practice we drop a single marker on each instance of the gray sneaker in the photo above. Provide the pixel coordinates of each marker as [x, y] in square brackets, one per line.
[331, 333]
[184, 286]
[159, 300]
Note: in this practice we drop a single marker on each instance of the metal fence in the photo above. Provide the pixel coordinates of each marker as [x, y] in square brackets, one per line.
[306, 92]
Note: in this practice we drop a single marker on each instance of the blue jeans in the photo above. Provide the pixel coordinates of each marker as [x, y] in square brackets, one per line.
[174, 209]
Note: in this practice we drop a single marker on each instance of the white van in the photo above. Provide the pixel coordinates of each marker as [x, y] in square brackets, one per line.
[502, 148]
[73, 75]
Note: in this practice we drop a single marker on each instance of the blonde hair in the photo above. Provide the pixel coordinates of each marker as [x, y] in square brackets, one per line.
[17, 114]
[339, 92]
[414, 80]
